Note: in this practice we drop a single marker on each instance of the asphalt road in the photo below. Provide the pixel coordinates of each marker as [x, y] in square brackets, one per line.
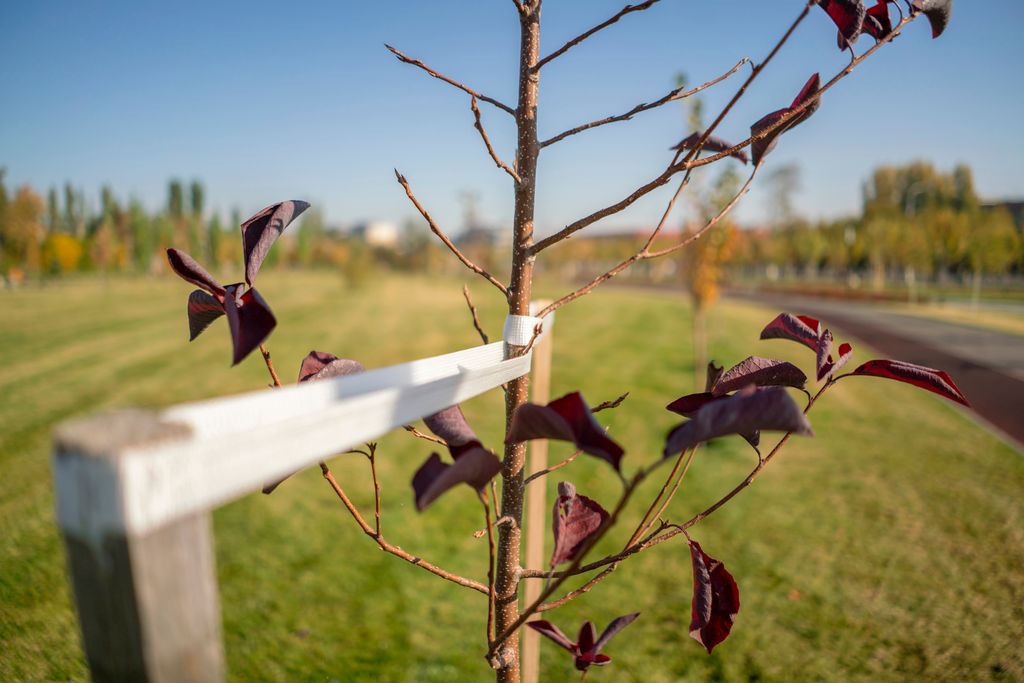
[988, 366]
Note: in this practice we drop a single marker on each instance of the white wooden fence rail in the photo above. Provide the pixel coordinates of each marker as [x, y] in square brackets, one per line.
[134, 490]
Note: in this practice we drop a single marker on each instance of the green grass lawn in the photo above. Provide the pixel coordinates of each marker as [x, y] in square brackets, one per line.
[888, 547]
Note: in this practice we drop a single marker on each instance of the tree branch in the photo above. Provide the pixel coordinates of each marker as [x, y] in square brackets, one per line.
[553, 468]
[689, 161]
[707, 226]
[639, 255]
[426, 437]
[656, 537]
[586, 34]
[415, 62]
[672, 96]
[560, 577]
[394, 549]
[476, 319]
[487, 143]
[444, 238]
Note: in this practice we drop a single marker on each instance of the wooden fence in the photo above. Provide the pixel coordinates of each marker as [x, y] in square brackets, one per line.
[134, 492]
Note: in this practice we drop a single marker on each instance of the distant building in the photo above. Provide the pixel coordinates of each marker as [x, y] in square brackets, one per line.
[376, 233]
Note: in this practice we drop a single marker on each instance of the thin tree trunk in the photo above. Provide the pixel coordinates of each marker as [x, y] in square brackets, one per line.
[520, 286]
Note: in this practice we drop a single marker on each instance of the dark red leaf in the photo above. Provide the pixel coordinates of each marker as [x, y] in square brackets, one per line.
[762, 372]
[203, 309]
[712, 144]
[187, 269]
[545, 627]
[930, 379]
[714, 373]
[716, 599]
[475, 466]
[249, 319]
[565, 419]
[763, 145]
[796, 328]
[450, 424]
[830, 368]
[691, 403]
[586, 639]
[937, 12]
[878, 23]
[319, 365]
[574, 520]
[809, 90]
[261, 231]
[744, 412]
[613, 628]
[824, 351]
[848, 16]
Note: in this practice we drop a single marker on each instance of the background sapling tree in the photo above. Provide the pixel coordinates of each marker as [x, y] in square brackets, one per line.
[753, 396]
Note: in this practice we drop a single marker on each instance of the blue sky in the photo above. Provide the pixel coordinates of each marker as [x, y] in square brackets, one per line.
[264, 101]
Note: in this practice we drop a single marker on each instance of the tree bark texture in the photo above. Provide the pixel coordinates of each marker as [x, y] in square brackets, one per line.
[520, 290]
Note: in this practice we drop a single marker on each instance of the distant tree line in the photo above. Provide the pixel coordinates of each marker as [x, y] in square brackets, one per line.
[64, 234]
[916, 224]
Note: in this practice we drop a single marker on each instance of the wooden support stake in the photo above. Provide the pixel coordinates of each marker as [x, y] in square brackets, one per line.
[147, 597]
[537, 514]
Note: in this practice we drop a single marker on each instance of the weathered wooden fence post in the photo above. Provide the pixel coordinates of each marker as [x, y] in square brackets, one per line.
[147, 598]
[537, 515]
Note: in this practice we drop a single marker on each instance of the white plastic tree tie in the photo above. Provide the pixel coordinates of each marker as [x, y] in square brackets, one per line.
[519, 329]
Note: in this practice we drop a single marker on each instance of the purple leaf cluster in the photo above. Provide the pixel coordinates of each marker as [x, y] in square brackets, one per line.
[472, 463]
[250, 319]
[568, 418]
[587, 648]
[574, 520]
[809, 332]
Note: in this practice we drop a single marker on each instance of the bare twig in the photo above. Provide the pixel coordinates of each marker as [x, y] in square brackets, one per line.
[476, 319]
[709, 225]
[608, 405]
[394, 549]
[672, 96]
[572, 595]
[426, 437]
[642, 527]
[586, 34]
[270, 365]
[415, 62]
[548, 470]
[444, 238]
[623, 265]
[689, 161]
[487, 142]
[372, 455]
